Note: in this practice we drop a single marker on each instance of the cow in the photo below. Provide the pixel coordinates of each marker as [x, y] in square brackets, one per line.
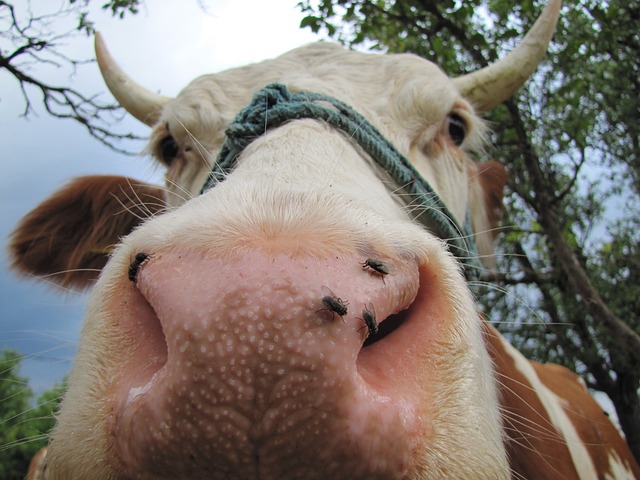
[238, 330]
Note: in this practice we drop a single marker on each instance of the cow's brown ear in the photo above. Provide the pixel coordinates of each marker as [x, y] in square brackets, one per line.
[486, 183]
[69, 236]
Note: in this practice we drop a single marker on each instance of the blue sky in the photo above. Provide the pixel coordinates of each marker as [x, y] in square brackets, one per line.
[178, 41]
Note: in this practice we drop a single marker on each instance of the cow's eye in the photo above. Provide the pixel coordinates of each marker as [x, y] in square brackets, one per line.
[168, 150]
[457, 128]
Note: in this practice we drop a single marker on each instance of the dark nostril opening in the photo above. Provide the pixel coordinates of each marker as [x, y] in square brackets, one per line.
[136, 264]
[388, 325]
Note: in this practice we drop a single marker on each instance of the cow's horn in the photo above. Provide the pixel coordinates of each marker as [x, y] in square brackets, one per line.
[140, 102]
[490, 86]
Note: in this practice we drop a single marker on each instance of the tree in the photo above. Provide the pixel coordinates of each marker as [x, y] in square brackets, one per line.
[24, 429]
[27, 38]
[566, 287]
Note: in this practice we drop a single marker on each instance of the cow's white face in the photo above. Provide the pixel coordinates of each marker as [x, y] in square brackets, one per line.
[225, 357]
[408, 99]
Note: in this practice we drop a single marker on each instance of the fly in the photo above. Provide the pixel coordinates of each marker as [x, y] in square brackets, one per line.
[376, 266]
[369, 319]
[331, 302]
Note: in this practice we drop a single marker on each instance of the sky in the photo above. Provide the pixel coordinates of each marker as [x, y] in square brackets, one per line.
[163, 47]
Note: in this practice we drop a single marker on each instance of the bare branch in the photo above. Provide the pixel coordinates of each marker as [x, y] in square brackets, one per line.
[35, 43]
[569, 186]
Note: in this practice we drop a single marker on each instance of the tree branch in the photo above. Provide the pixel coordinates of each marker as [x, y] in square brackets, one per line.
[567, 261]
[569, 186]
[37, 46]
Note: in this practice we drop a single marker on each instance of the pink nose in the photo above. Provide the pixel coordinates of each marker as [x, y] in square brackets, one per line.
[249, 356]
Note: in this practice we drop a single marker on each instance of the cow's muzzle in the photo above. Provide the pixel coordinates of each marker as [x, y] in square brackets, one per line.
[255, 367]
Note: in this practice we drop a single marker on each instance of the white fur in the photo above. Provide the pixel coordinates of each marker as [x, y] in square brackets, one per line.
[619, 469]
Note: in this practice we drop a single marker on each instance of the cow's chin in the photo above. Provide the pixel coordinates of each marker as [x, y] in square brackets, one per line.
[237, 369]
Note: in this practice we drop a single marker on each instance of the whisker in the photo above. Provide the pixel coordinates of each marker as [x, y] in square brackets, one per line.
[23, 441]
[187, 195]
[129, 209]
[139, 204]
[201, 149]
[510, 294]
[46, 278]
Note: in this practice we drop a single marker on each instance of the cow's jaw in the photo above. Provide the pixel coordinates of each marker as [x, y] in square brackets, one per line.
[222, 361]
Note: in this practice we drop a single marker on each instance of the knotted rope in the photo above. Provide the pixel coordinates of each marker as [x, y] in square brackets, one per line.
[274, 105]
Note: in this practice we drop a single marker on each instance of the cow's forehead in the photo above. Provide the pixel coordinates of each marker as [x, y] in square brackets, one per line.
[379, 86]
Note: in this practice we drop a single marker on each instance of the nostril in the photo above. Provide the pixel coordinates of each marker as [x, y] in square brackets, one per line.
[386, 327]
[385, 361]
[134, 266]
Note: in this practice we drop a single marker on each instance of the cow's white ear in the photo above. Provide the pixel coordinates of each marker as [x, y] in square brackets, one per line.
[486, 185]
[69, 236]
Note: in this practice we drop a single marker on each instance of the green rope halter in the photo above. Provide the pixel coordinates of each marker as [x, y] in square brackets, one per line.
[274, 105]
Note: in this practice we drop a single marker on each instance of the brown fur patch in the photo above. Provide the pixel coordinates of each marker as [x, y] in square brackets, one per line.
[70, 235]
[594, 428]
[536, 447]
[36, 466]
[492, 177]
[486, 185]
